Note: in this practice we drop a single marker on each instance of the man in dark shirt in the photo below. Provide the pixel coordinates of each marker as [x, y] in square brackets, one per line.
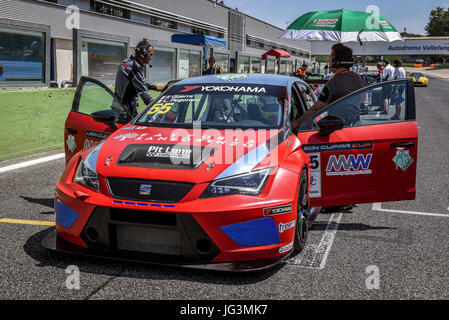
[342, 83]
[130, 82]
[213, 68]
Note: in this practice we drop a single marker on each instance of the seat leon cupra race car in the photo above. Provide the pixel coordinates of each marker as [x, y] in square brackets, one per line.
[217, 174]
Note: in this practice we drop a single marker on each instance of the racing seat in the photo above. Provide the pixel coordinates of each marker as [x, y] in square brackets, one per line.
[254, 112]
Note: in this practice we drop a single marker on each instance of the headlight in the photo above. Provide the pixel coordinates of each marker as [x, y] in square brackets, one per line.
[249, 183]
[86, 174]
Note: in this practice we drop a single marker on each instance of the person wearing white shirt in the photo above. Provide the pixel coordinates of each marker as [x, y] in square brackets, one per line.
[387, 75]
[399, 73]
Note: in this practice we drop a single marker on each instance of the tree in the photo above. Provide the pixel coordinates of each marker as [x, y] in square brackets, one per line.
[438, 22]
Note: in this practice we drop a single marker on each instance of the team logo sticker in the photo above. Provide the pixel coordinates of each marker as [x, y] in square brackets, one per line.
[402, 159]
[349, 165]
[286, 226]
[277, 210]
[71, 143]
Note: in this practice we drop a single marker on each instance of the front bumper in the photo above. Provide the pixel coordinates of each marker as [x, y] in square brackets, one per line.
[225, 233]
[52, 242]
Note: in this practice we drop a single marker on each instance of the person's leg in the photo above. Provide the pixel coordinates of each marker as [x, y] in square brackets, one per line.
[397, 114]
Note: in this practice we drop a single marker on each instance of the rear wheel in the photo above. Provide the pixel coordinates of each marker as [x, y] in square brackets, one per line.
[302, 212]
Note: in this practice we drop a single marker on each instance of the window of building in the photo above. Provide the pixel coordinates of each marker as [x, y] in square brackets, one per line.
[271, 65]
[104, 8]
[283, 67]
[189, 64]
[22, 55]
[222, 60]
[200, 30]
[100, 58]
[255, 65]
[164, 64]
[244, 64]
[164, 23]
[289, 67]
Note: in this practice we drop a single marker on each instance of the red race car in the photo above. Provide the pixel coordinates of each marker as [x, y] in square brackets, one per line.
[212, 174]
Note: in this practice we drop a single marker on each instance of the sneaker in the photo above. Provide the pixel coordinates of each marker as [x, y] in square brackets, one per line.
[379, 109]
[384, 112]
[394, 118]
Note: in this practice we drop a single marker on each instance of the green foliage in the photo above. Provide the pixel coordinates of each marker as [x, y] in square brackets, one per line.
[438, 22]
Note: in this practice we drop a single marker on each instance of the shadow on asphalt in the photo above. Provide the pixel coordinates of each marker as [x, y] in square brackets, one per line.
[321, 226]
[48, 202]
[108, 267]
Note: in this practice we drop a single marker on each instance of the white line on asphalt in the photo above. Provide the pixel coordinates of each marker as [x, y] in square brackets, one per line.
[31, 162]
[315, 256]
[378, 207]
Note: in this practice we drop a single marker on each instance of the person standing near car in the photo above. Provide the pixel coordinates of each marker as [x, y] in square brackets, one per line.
[213, 68]
[342, 83]
[130, 82]
[387, 75]
[399, 73]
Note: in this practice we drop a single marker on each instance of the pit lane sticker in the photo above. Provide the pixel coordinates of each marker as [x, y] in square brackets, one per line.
[286, 226]
[349, 165]
[315, 175]
[402, 159]
[71, 143]
[354, 145]
[172, 152]
[277, 210]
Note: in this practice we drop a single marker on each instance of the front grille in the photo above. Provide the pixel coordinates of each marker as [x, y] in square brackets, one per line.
[148, 190]
[143, 217]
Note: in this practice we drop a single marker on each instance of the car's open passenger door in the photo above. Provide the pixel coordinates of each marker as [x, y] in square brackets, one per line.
[360, 154]
[93, 116]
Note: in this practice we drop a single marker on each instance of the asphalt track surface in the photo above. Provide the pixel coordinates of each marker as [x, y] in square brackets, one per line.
[406, 242]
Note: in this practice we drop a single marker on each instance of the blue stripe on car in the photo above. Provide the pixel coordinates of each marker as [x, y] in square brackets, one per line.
[65, 216]
[260, 232]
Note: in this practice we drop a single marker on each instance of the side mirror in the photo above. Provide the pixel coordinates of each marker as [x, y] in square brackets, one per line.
[106, 117]
[329, 124]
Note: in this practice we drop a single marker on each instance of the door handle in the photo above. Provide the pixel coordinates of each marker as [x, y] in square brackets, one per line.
[72, 131]
[402, 144]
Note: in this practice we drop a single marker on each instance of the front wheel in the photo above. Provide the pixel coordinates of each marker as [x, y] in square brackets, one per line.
[302, 212]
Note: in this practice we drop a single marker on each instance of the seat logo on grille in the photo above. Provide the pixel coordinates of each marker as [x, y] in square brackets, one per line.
[145, 189]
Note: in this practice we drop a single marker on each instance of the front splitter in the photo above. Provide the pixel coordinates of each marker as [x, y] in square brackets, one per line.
[52, 242]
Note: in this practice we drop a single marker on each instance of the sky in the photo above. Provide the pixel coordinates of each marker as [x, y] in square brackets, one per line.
[411, 14]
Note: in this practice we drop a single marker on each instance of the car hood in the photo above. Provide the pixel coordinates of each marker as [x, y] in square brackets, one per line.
[199, 155]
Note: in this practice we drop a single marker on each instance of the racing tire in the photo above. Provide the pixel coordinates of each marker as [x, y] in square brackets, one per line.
[302, 212]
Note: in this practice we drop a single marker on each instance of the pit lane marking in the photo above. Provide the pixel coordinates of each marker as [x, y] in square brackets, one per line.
[31, 162]
[29, 222]
[378, 207]
[315, 256]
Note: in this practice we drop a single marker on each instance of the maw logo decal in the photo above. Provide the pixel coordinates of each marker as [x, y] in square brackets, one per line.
[349, 165]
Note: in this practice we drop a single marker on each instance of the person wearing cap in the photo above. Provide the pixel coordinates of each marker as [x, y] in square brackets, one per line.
[130, 82]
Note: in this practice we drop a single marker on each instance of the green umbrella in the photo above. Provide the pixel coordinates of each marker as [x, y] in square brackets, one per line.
[342, 26]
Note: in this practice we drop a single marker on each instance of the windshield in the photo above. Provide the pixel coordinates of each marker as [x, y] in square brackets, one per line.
[218, 106]
[416, 75]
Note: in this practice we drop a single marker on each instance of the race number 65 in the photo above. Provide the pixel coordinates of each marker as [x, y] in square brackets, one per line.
[160, 108]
